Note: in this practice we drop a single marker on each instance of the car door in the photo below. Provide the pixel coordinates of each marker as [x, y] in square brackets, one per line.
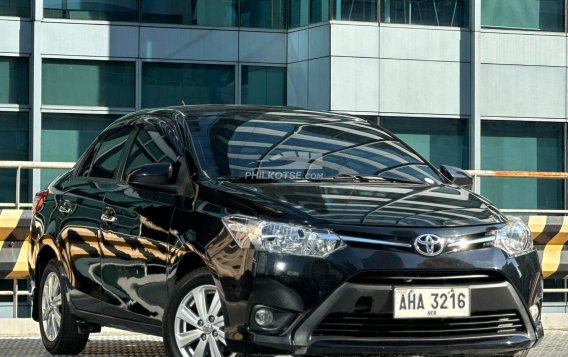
[78, 213]
[135, 232]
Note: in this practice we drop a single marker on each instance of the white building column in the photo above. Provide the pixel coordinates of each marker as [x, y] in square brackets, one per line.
[475, 118]
[35, 89]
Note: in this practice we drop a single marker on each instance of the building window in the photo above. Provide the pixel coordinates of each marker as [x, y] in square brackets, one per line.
[77, 131]
[319, 11]
[298, 13]
[106, 10]
[263, 14]
[177, 83]
[440, 141]
[263, 85]
[167, 11]
[14, 80]
[524, 146]
[542, 15]
[13, 147]
[454, 13]
[355, 10]
[89, 83]
[222, 13]
[18, 8]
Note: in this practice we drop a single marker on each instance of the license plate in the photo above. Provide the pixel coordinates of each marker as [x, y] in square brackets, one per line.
[431, 302]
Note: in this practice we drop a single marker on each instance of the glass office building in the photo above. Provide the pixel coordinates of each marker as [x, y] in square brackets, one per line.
[485, 91]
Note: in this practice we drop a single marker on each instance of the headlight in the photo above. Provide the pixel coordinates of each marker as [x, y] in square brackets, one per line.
[515, 238]
[281, 237]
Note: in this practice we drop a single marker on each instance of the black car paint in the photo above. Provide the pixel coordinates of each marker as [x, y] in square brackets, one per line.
[122, 274]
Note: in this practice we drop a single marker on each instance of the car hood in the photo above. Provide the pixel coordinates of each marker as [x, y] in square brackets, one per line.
[368, 204]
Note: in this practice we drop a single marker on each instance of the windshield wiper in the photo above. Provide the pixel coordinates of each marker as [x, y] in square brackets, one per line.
[364, 178]
[340, 177]
[401, 180]
[252, 179]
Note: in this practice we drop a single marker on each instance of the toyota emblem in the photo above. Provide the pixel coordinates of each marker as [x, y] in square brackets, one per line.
[429, 245]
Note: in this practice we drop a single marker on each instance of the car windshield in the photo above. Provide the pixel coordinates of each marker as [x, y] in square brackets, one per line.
[301, 145]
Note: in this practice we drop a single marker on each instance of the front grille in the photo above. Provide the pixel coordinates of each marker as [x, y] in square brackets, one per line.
[413, 278]
[385, 326]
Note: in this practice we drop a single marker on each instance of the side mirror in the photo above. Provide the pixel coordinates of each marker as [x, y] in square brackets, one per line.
[152, 175]
[457, 176]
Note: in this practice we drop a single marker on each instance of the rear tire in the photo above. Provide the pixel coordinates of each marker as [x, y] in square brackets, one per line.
[193, 322]
[59, 330]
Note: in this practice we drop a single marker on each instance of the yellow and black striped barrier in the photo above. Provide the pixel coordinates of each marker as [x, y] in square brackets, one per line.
[550, 235]
[14, 243]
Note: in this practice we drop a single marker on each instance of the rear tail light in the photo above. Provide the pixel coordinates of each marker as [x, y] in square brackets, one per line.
[39, 200]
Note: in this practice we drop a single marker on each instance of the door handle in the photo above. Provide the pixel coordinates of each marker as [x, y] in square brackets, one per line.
[108, 216]
[65, 207]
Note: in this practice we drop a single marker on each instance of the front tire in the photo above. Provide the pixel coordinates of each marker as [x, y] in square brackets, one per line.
[59, 330]
[194, 324]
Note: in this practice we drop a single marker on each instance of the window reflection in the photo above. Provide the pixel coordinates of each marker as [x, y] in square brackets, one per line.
[543, 15]
[150, 147]
[167, 11]
[298, 13]
[355, 10]
[263, 13]
[301, 146]
[263, 85]
[522, 146]
[77, 131]
[319, 11]
[88, 83]
[19, 8]
[108, 154]
[166, 84]
[14, 141]
[115, 10]
[14, 79]
[214, 13]
[426, 12]
[440, 141]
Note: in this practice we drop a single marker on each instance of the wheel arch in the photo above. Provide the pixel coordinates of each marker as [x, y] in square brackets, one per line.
[188, 263]
[46, 253]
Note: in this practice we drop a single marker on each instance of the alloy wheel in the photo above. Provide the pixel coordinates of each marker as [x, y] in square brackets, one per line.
[51, 306]
[200, 325]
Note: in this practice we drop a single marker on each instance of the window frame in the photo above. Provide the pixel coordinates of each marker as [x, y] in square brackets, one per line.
[137, 17]
[146, 126]
[93, 150]
[152, 120]
[491, 28]
[146, 63]
[91, 108]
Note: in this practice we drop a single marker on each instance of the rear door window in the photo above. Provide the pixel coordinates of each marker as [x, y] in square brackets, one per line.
[108, 155]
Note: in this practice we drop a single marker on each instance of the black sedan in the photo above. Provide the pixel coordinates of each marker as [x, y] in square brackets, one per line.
[270, 230]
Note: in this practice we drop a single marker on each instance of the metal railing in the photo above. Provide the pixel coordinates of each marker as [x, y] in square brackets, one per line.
[28, 165]
[525, 174]
[15, 293]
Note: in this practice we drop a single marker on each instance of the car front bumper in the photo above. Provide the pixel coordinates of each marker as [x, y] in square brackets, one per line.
[325, 297]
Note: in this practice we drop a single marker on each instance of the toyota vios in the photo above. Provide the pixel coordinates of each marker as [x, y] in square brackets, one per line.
[268, 230]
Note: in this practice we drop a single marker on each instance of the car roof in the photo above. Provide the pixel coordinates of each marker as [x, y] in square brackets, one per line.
[196, 112]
